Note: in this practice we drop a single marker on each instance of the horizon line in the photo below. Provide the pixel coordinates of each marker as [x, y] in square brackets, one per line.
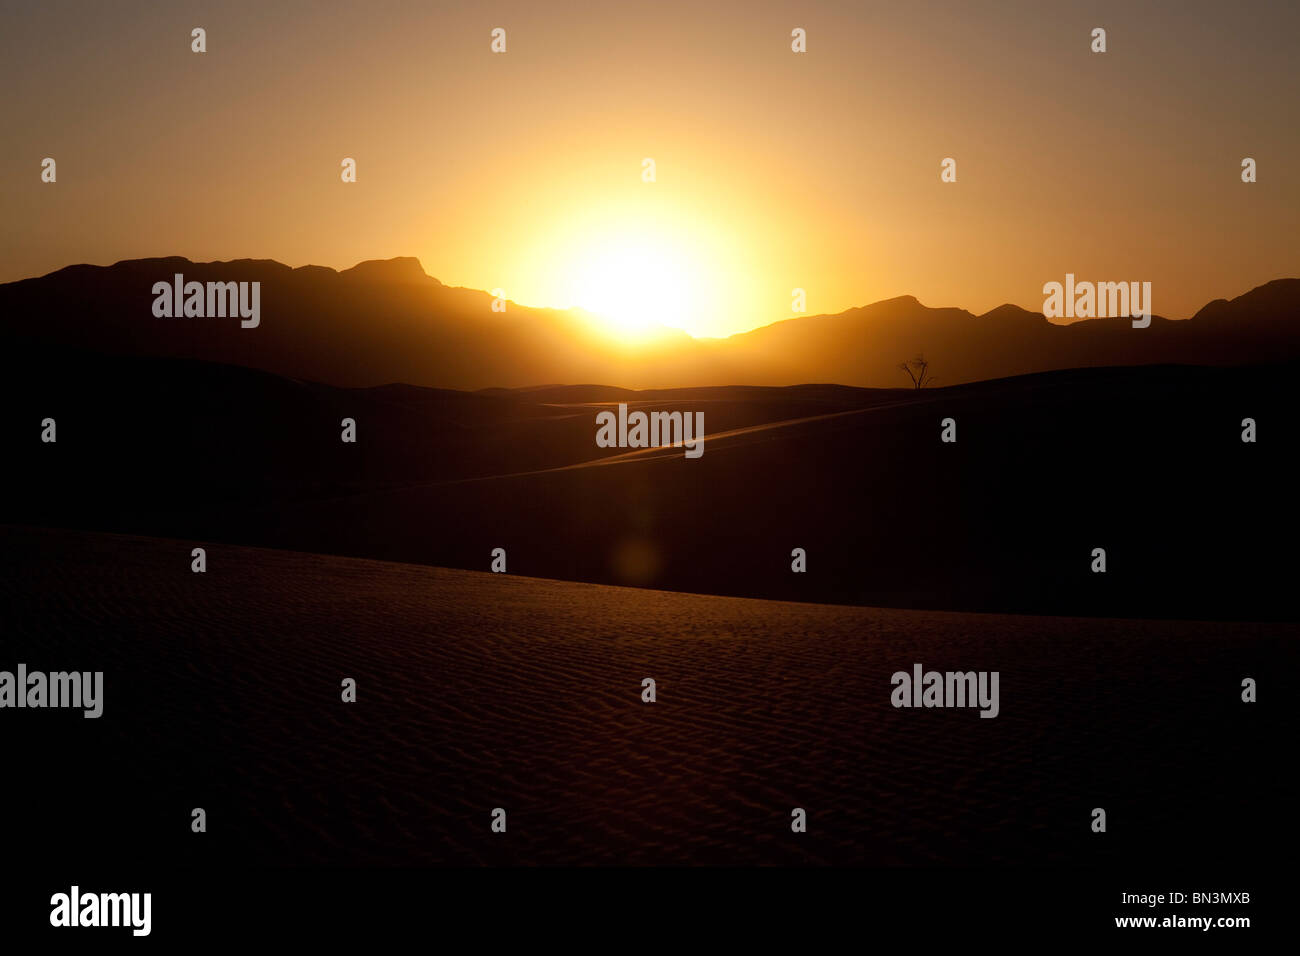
[585, 311]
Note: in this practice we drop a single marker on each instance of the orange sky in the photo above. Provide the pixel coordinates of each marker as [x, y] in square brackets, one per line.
[775, 170]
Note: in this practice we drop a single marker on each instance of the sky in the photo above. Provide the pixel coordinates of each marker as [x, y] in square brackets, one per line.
[523, 171]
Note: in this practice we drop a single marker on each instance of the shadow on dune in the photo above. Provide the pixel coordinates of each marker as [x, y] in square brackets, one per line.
[1147, 463]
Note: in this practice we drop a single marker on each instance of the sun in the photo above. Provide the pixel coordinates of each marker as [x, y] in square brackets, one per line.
[637, 285]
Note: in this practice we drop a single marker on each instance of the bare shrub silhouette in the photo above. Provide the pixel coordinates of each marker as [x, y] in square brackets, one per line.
[918, 370]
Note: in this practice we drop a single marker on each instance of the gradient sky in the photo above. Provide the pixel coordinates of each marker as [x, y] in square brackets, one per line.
[775, 170]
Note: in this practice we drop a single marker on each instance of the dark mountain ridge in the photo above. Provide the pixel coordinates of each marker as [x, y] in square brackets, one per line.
[385, 321]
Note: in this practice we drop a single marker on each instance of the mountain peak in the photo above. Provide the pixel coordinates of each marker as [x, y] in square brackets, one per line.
[1271, 298]
[898, 300]
[1008, 312]
[399, 269]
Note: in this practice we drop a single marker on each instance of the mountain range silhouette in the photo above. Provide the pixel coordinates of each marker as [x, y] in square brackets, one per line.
[387, 321]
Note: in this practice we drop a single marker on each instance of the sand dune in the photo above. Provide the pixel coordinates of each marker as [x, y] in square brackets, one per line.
[727, 438]
[1148, 463]
[477, 691]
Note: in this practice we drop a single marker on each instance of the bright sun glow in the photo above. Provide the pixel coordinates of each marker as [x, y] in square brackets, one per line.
[642, 268]
[636, 285]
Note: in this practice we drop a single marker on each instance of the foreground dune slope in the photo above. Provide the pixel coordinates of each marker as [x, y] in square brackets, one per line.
[477, 691]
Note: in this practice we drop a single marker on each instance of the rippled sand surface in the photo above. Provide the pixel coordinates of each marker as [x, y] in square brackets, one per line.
[479, 690]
